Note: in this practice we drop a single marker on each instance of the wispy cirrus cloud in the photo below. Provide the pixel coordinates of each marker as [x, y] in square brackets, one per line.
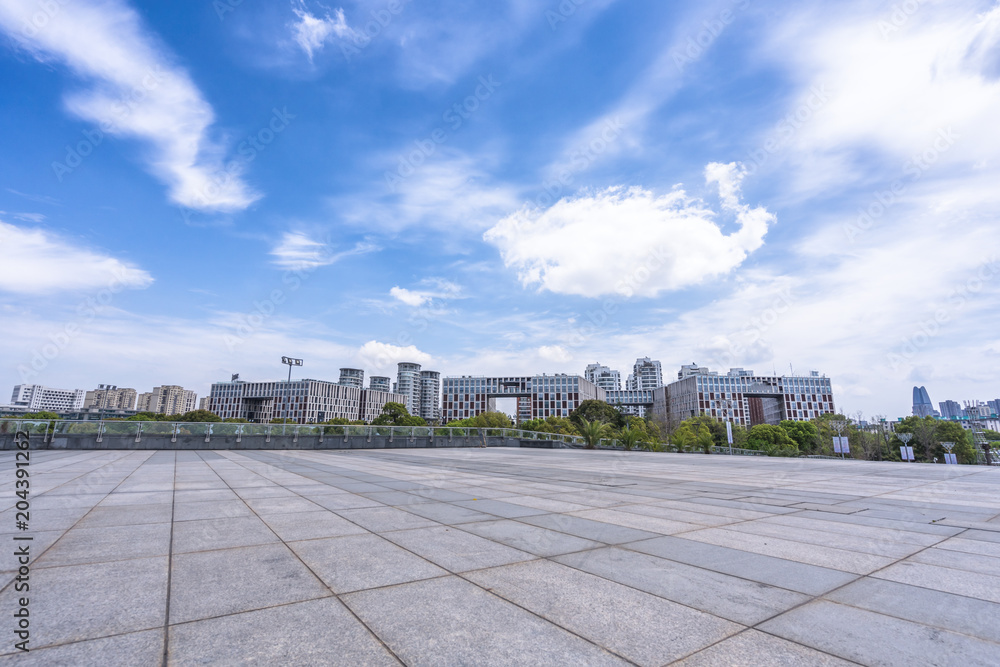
[428, 290]
[297, 251]
[133, 87]
[311, 32]
[38, 262]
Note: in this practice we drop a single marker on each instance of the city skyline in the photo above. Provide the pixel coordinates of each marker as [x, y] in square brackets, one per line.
[196, 190]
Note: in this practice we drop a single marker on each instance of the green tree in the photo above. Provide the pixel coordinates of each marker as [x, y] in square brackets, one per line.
[949, 431]
[771, 439]
[593, 410]
[44, 415]
[593, 432]
[630, 437]
[492, 419]
[396, 414]
[236, 420]
[924, 431]
[696, 434]
[551, 424]
[805, 434]
[195, 416]
[283, 420]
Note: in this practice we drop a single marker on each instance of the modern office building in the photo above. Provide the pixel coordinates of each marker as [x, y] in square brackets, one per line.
[109, 396]
[604, 377]
[635, 402]
[537, 396]
[994, 406]
[169, 399]
[302, 401]
[922, 406]
[430, 397]
[951, 410]
[36, 397]
[744, 398]
[352, 377]
[646, 374]
[408, 384]
[380, 383]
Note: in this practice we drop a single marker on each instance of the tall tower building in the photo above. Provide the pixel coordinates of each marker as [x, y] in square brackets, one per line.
[408, 384]
[380, 383]
[922, 406]
[352, 377]
[430, 396]
[647, 374]
[604, 377]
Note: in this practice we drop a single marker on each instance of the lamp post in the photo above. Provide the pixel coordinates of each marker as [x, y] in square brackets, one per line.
[289, 361]
[905, 439]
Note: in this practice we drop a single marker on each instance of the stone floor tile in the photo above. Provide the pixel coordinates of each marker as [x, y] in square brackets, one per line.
[757, 649]
[455, 549]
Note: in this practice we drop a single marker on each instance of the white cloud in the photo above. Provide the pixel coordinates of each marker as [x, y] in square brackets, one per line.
[439, 289]
[555, 353]
[631, 241]
[383, 357]
[297, 252]
[136, 90]
[312, 32]
[38, 262]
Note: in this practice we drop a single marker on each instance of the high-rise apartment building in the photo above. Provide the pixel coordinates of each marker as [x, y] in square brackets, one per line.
[430, 396]
[302, 401]
[37, 397]
[380, 383]
[352, 377]
[537, 396]
[647, 374]
[951, 410]
[744, 398]
[108, 396]
[169, 399]
[604, 377]
[408, 384]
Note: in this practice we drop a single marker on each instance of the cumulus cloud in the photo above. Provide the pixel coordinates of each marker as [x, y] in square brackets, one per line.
[631, 241]
[135, 90]
[38, 262]
[383, 357]
[312, 32]
[297, 252]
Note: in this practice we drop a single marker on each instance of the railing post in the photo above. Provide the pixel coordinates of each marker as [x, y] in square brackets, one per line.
[268, 438]
[138, 432]
[412, 437]
[173, 432]
[239, 432]
[321, 430]
[368, 430]
[100, 431]
[208, 433]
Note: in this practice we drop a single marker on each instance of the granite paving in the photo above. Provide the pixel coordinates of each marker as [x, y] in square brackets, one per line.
[497, 556]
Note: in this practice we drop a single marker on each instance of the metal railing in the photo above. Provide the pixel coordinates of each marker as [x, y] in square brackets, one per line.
[101, 428]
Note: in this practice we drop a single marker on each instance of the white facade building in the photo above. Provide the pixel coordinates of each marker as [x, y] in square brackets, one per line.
[430, 396]
[538, 396]
[604, 377]
[36, 397]
[647, 374]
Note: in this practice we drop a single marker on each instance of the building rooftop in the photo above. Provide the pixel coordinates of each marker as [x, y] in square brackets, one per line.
[505, 556]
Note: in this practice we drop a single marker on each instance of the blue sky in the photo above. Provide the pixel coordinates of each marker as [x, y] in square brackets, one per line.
[195, 189]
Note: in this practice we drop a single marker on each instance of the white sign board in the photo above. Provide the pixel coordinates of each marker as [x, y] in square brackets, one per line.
[951, 458]
[729, 432]
[906, 453]
[841, 445]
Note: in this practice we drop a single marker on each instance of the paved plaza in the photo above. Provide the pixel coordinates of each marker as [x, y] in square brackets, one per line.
[501, 557]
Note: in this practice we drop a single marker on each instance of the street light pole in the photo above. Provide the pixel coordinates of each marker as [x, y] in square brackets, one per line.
[290, 362]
